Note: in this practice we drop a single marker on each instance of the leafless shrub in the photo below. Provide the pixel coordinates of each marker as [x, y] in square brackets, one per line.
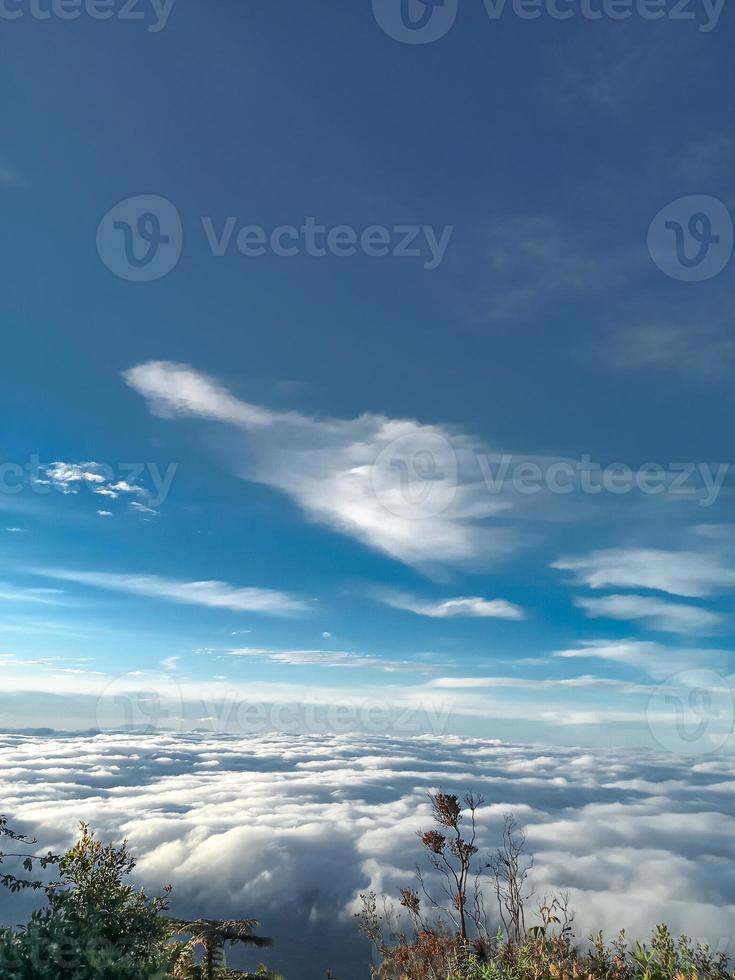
[509, 869]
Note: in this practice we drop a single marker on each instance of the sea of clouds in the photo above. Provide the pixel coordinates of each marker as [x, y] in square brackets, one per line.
[291, 828]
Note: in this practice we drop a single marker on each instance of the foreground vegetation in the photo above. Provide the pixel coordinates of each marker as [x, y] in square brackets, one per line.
[94, 925]
[444, 932]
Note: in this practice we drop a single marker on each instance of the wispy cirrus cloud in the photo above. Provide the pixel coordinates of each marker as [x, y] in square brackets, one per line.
[473, 606]
[638, 653]
[330, 658]
[690, 349]
[215, 594]
[143, 509]
[655, 659]
[539, 683]
[538, 260]
[10, 175]
[12, 660]
[425, 494]
[14, 593]
[686, 573]
[659, 614]
[410, 490]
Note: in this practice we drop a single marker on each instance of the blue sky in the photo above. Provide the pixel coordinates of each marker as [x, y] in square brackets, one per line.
[332, 424]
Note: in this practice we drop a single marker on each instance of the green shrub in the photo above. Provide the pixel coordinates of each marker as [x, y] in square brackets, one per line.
[97, 926]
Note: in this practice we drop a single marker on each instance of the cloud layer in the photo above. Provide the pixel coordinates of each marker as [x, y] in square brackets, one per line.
[292, 828]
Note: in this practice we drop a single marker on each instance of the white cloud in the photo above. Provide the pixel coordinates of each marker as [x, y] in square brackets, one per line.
[423, 493]
[14, 593]
[531, 683]
[687, 573]
[9, 174]
[538, 259]
[10, 660]
[178, 390]
[97, 477]
[114, 490]
[104, 513]
[637, 653]
[411, 490]
[220, 595]
[329, 658]
[669, 617]
[692, 349]
[68, 476]
[122, 486]
[446, 608]
[656, 659]
[143, 509]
